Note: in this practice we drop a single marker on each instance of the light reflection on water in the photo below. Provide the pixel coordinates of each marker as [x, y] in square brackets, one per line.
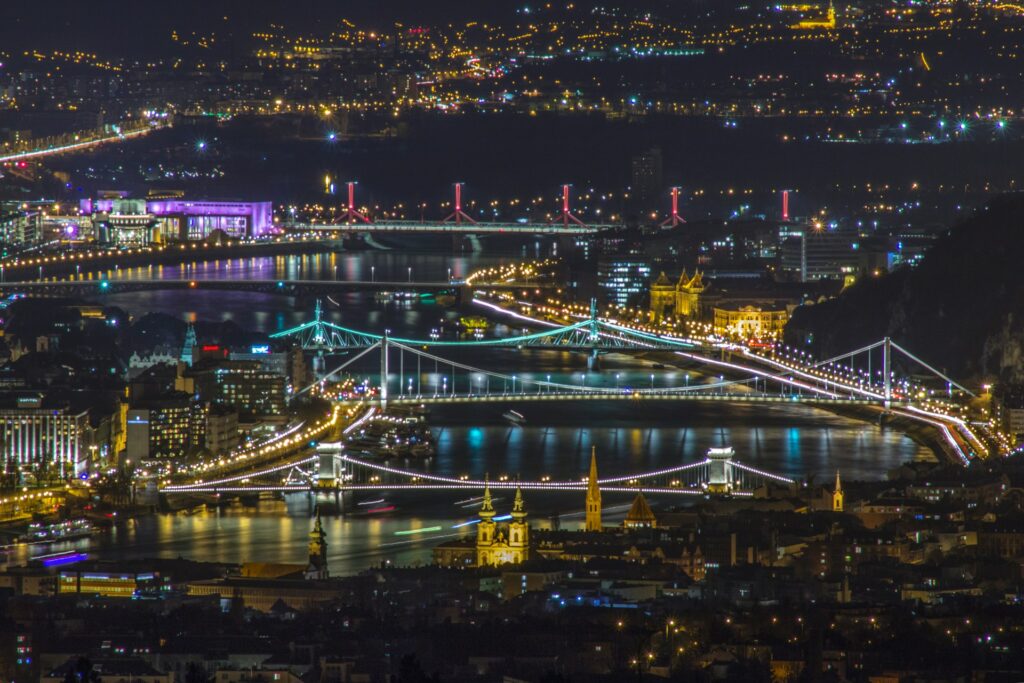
[791, 440]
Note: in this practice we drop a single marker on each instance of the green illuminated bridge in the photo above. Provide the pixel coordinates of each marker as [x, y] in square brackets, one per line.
[738, 373]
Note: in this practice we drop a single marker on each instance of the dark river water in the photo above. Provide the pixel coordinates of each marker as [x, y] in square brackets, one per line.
[791, 440]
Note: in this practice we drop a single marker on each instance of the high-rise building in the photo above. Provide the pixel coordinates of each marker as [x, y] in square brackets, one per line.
[811, 254]
[239, 384]
[622, 279]
[646, 175]
[221, 430]
[19, 227]
[593, 512]
[165, 428]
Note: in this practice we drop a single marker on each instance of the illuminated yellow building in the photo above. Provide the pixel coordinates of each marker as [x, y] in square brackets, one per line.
[640, 515]
[496, 546]
[829, 22]
[750, 322]
[593, 518]
[681, 299]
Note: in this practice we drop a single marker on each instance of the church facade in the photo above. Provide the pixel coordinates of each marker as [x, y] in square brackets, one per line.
[681, 299]
[495, 543]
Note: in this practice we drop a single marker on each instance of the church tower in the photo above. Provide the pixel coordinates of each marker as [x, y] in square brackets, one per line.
[486, 530]
[518, 531]
[837, 495]
[593, 519]
[317, 568]
[188, 348]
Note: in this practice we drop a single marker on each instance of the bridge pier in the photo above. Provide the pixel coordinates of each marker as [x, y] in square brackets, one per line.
[319, 365]
[384, 372]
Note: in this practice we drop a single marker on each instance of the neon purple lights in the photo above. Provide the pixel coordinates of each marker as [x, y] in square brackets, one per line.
[259, 215]
[68, 558]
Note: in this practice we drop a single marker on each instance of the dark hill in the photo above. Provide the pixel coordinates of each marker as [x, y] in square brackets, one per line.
[961, 309]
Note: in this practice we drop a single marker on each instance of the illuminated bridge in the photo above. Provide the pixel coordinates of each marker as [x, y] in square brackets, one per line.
[463, 228]
[284, 287]
[458, 222]
[862, 376]
[331, 469]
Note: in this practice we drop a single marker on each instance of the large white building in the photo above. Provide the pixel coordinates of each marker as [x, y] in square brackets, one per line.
[32, 436]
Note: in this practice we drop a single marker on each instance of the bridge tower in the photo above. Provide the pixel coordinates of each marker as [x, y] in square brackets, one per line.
[887, 370]
[720, 474]
[328, 465]
[352, 215]
[594, 337]
[384, 371]
[319, 338]
[458, 214]
[566, 216]
[674, 218]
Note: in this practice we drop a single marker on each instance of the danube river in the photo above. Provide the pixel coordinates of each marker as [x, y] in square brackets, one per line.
[791, 440]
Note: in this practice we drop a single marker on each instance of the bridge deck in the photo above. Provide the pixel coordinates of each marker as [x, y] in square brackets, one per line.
[692, 395]
[462, 228]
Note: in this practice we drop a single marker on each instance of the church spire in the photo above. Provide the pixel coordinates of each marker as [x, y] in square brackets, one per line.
[189, 345]
[837, 495]
[518, 508]
[317, 568]
[593, 509]
[487, 507]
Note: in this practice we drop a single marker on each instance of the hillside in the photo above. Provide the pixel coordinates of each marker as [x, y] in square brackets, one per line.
[961, 309]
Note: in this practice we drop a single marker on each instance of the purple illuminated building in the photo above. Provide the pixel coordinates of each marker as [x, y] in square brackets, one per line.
[184, 219]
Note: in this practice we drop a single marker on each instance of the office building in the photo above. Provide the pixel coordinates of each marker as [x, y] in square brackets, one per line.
[622, 280]
[221, 430]
[240, 384]
[646, 175]
[19, 227]
[814, 254]
[165, 428]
